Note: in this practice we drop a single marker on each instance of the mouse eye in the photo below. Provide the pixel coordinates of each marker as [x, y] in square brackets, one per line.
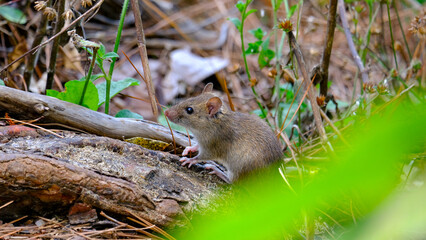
[189, 110]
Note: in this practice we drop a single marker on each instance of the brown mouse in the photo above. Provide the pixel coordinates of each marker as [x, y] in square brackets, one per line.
[240, 142]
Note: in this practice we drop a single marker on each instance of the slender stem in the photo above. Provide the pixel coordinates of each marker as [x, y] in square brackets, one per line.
[277, 95]
[402, 30]
[89, 75]
[117, 39]
[117, 43]
[243, 17]
[277, 59]
[371, 18]
[242, 39]
[391, 34]
[144, 56]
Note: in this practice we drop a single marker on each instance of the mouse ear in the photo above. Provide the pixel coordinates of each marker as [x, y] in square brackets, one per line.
[208, 88]
[213, 105]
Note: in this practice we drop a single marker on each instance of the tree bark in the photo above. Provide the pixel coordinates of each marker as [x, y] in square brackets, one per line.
[45, 174]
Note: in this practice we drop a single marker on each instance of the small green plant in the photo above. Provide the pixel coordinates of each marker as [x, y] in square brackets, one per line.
[83, 91]
[261, 47]
[266, 55]
[239, 24]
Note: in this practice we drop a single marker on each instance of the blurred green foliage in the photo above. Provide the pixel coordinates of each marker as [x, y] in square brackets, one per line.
[12, 14]
[361, 181]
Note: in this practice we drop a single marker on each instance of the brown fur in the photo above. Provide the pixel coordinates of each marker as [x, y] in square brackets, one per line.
[241, 142]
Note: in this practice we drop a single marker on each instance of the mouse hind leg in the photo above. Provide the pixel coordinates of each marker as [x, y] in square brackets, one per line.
[219, 172]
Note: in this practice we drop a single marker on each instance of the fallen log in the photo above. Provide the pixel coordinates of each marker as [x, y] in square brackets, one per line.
[46, 174]
[53, 110]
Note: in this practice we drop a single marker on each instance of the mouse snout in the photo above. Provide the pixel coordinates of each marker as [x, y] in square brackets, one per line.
[170, 114]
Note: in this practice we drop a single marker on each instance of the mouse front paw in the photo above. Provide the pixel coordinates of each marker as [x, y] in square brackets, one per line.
[189, 149]
[189, 161]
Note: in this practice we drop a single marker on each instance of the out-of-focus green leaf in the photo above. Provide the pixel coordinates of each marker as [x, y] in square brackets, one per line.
[240, 6]
[278, 4]
[125, 113]
[12, 14]
[249, 12]
[236, 22]
[253, 48]
[292, 10]
[266, 54]
[258, 33]
[401, 217]
[162, 120]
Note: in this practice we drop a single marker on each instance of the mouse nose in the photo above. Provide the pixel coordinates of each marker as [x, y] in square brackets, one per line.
[170, 114]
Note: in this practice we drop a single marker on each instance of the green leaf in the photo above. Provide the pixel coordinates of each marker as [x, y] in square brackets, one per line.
[293, 9]
[12, 14]
[249, 12]
[162, 120]
[359, 8]
[253, 48]
[266, 54]
[116, 87]
[101, 51]
[125, 113]
[287, 88]
[92, 78]
[236, 22]
[111, 55]
[73, 91]
[278, 4]
[240, 5]
[258, 33]
[89, 50]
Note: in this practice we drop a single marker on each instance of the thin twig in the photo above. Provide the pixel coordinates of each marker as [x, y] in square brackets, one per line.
[33, 125]
[325, 61]
[8, 234]
[352, 48]
[131, 227]
[60, 22]
[155, 228]
[17, 220]
[156, 99]
[311, 94]
[6, 204]
[144, 56]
